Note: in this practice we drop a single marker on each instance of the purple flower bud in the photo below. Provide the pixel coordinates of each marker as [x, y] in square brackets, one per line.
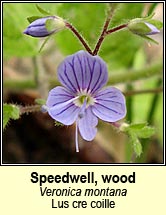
[45, 26]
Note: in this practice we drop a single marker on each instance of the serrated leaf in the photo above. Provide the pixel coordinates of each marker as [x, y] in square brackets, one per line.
[136, 144]
[10, 112]
[145, 132]
[33, 18]
[138, 148]
[137, 126]
[43, 11]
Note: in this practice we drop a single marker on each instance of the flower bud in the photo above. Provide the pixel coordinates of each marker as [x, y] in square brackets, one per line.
[45, 26]
[143, 27]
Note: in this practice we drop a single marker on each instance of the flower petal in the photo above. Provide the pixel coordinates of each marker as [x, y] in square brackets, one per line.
[61, 107]
[87, 125]
[58, 95]
[110, 105]
[82, 71]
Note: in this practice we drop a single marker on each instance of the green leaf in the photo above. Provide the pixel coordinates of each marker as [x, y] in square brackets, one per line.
[145, 132]
[33, 18]
[137, 126]
[43, 11]
[10, 112]
[136, 144]
[140, 130]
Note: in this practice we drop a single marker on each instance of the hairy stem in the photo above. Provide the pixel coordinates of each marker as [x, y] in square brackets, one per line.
[103, 33]
[29, 109]
[79, 36]
[116, 29]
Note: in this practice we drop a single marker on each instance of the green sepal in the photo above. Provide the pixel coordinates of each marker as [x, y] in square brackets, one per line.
[55, 24]
[139, 28]
[136, 126]
[149, 39]
[145, 132]
[44, 43]
[51, 24]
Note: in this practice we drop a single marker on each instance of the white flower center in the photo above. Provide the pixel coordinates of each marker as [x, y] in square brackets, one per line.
[84, 96]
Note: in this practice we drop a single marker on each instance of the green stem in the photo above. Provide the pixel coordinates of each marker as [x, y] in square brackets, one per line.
[104, 30]
[134, 75]
[80, 37]
[19, 84]
[150, 115]
[124, 77]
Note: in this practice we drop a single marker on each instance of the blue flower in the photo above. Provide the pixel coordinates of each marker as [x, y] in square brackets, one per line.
[81, 99]
[45, 26]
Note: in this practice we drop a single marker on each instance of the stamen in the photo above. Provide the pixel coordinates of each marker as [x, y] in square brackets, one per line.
[76, 138]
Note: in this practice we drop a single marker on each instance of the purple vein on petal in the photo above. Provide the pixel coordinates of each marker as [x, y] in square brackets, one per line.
[66, 75]
[99, 94]
[91, 72]
[107, 100]
[62, 111]
[60, 76]
[74, 72]
[83, 86]
[97, 82]
[106, 108]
